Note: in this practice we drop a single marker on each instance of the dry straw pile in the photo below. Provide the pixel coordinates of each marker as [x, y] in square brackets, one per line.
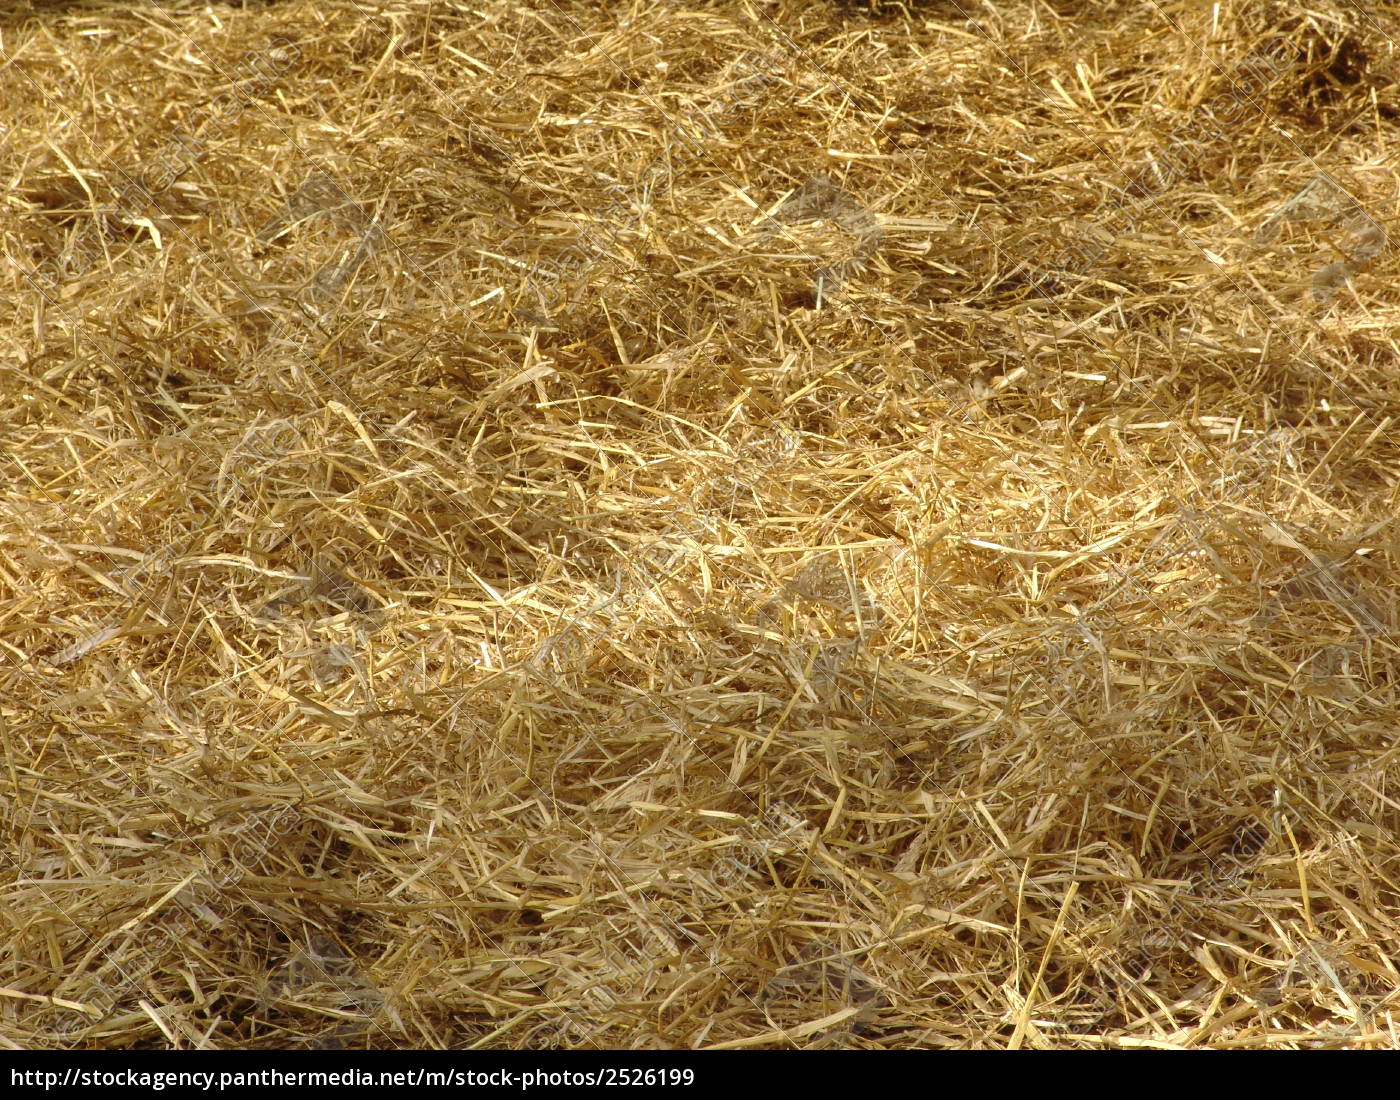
[751, 524]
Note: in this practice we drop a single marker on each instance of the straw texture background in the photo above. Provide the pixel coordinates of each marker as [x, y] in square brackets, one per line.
[737, 524]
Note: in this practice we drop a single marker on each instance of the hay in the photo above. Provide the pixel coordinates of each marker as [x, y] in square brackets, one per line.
[743, 525]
